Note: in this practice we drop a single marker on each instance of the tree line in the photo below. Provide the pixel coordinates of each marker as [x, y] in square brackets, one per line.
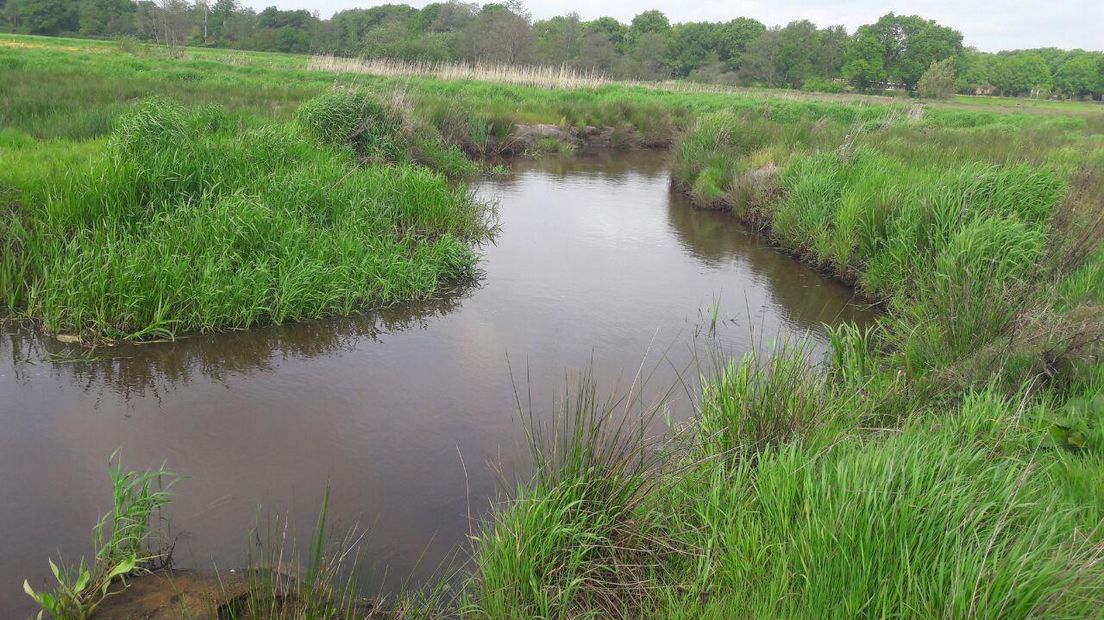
[905, 52]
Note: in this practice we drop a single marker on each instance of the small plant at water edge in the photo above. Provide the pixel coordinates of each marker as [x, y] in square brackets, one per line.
[121, 543]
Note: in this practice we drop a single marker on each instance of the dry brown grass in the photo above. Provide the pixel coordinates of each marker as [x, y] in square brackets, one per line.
[529, 75]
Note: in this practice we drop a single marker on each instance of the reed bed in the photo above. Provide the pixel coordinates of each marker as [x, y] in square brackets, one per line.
[528, 75]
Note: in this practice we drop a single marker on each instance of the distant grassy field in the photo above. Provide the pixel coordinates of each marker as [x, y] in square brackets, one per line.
[948, 462]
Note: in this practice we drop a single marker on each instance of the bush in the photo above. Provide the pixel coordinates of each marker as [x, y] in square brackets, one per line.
[938, 82]
[347, 117]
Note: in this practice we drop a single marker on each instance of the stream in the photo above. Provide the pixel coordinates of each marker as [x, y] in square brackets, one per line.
[406, 413]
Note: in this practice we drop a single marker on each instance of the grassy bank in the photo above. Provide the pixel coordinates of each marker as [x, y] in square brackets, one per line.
[948, 462]
[196, 219]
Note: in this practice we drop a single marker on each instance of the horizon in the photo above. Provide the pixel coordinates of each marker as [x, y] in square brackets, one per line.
[1004, 25]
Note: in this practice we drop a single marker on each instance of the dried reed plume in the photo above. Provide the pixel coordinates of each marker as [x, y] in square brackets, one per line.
[544, 76]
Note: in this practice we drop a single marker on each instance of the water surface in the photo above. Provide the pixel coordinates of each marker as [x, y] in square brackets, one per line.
[596, 262]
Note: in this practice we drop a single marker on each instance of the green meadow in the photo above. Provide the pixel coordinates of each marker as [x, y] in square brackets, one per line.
[946, 462]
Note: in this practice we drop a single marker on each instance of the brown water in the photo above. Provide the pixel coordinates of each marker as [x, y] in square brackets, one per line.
[596, 261]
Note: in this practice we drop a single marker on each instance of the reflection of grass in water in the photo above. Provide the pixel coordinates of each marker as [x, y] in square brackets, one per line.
[141, 369]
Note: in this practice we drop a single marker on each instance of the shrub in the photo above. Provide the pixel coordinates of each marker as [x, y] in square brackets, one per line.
[938, 82]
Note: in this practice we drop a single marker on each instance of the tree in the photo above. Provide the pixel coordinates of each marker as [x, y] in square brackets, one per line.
[734, 37]
[1080, 76]
[645, 60]
[499, 33]
[557, 41]
[831, 52]
[759, 65]
[865, 60]
[792, 55]
[691, 45]
[451, 16]
[45, 17]
[1020, 73]
[100, 18]
[900, 46]
[174, 21]
[938, 82]
[648, 22]
[973, 70]
[217, 17]
[598, 53]
[614, 31]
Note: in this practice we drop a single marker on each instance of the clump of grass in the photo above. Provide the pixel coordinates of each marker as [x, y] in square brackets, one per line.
[192, 222]
[286, 586]
[122, 543]
[763, 401]
[951, 516]
[381, 132]
[573, 542]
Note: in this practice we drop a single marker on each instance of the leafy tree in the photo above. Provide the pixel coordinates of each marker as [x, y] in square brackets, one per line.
[175, 21]
[938, 82]
[99, 18]
[1020, 73]
[792, 55]
[598, 53]
[691, 45]
[46, 17]
[901, 46]
[734, 37]
[645, 60]
[1080, 76]
[864, 64]
[650, 21]
[614, 31]
[973, 70]
[558, 41]
[450, 16]
[832, 43]
[292, 40]
[274, 18]
[759, 65]
[499, 33]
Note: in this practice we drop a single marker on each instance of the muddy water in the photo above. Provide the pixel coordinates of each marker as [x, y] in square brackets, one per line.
[596, 261]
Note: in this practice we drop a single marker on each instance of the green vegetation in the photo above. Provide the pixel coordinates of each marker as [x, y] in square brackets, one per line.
[121, 544]
[198, 219]
[893, 52]
[947, 462]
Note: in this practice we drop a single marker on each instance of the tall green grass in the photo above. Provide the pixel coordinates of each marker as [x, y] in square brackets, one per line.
[573, 542]
[789, 505]
[943, 463]
[195, 220]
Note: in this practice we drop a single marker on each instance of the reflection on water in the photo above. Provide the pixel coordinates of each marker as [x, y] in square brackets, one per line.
[596, 261]
[134, 372]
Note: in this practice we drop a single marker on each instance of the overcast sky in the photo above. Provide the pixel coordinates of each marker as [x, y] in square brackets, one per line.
[989, 25]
